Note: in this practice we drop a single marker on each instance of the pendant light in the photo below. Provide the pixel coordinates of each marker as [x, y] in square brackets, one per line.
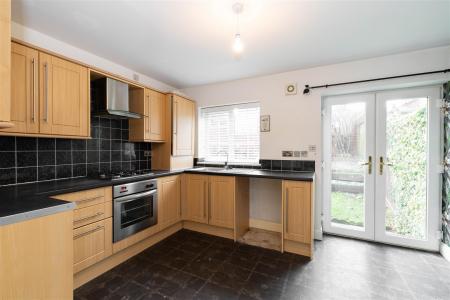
[238, 46]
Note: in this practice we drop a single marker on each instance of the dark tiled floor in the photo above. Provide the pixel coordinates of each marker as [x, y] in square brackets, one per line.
[190, 265]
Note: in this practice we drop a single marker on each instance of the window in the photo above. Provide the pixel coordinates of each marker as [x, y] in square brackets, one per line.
[230, 133]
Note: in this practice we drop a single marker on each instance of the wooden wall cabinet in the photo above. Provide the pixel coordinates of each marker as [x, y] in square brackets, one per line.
[169, 201]
[5, 63]
[209, 199]
[24, 90]
[150, 104]
[49, 95]
[183, 126]
[64, 102]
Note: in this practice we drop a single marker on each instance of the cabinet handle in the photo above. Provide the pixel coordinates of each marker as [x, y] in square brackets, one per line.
[209, 201]
[204, 202]
[87, 218]
[286, 211]
[175, 120]
[88, 232]
[33, 91]
[45, 92]
[88, 199]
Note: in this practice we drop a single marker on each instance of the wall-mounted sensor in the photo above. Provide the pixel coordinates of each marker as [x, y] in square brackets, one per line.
[291, 89]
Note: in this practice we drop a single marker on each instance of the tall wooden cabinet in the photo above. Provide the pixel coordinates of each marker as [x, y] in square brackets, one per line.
[49, 95]
[183, 126]
[5, 63]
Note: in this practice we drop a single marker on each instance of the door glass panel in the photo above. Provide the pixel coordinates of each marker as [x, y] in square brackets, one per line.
[348, 140]
[406, 179]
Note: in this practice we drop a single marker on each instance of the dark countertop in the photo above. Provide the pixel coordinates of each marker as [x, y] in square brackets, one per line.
[27, 201]
[300, 176]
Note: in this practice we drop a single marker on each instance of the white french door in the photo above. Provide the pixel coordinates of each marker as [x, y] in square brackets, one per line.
[381, 157]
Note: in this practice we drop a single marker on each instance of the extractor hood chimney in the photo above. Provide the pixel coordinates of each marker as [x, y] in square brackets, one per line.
[111, 100]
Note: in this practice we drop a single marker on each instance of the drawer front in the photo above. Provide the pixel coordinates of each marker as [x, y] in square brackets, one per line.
[90, 214]
[88, 197]
[92, 243]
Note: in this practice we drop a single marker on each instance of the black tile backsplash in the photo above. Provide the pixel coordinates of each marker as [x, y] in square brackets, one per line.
[27, 159]
[288, 165]
[270, 164]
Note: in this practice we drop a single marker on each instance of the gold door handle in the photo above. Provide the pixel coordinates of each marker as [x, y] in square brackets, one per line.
[368, 164]
[383, 163]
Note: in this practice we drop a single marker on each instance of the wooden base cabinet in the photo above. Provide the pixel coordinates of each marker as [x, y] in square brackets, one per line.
[91, 243]
[298, 217]
[221, 201]
[92, 226]
[209, 199]
[169, 201]
[36, 258]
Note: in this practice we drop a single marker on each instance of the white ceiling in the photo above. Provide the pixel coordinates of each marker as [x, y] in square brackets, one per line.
[187, 43]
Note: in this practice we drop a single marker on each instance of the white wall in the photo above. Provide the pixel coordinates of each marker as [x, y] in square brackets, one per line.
[296, 120]
[44, 41]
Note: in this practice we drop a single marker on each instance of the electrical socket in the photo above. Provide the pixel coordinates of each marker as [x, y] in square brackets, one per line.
[147, 153]
[312, 148]
[286, 153]
[303, 153]
[296, 153]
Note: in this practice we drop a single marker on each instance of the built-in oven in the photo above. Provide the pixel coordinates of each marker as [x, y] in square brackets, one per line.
[135, 207]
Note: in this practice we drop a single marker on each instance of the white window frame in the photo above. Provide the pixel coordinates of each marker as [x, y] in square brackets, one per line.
[226, 157]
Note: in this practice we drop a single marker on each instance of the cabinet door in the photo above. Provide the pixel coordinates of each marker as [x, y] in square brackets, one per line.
[221, 201]
[195, 206]
[297, 211]
[64, 107]
[24, 90]
[183, 126]
[157, 114]
[5, 62]
[91, 243]
[169, 211]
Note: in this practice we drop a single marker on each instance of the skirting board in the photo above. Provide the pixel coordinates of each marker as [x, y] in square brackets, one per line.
[265, 225]
[445, 251]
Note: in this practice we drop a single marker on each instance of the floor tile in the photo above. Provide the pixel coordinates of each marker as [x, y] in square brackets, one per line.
[190, 265]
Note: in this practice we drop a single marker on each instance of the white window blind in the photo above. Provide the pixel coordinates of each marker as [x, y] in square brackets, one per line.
[230, 133]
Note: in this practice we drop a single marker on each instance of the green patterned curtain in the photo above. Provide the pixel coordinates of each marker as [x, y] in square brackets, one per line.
[446, 175]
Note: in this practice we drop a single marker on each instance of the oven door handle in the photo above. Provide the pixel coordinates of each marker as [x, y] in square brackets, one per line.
[134, 197]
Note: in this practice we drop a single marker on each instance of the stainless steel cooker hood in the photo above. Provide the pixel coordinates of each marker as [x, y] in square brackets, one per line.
[110, 99]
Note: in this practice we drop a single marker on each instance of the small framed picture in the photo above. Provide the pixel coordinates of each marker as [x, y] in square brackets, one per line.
[264, 123]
